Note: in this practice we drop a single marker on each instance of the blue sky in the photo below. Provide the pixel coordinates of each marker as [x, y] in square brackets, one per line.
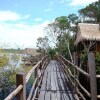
[22, 21]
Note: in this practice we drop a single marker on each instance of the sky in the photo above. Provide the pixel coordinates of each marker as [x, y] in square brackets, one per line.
[23, 21]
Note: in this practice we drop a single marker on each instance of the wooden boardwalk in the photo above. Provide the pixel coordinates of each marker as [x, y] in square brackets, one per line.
[55, 86]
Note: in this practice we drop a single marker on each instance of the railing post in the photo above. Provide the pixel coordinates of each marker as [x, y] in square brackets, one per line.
[92, 72]
[20, 80]
[36, 76]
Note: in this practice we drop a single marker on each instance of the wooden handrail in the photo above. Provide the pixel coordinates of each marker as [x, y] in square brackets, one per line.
[23, 84]
[79, 69]
[31, 71]
[97, 76]
[92, 75]
[14, 93]
[30, 94]
[79, 84]
[98, 96]
[35, 93]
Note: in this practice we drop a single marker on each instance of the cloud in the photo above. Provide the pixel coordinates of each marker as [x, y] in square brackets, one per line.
[81, 2]
[9, 16]
[48, 10]
[21, 34]
[38, 19]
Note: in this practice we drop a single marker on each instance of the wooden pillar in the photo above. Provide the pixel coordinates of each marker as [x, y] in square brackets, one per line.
[20, 80]
[36, 76]
[92, 72]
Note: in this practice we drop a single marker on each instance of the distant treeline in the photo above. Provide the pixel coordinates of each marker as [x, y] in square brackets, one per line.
[11, 50]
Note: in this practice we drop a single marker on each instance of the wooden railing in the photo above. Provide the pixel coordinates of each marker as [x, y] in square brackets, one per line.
[22, 80]
[74, 76]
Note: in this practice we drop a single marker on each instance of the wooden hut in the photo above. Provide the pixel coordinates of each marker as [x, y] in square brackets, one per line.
[88, 34]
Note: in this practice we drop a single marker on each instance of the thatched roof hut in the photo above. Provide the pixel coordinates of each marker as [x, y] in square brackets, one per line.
[87, 32]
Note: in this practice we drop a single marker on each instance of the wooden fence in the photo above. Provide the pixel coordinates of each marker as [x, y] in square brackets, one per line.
[22, 80]
[74, 76]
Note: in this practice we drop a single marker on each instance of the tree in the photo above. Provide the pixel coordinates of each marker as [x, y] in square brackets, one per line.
[64, 27]
[91, 13]
[63, 47]
[43, 44]
[59, 32]
[73, 20]
[62, 23]
[52, 32]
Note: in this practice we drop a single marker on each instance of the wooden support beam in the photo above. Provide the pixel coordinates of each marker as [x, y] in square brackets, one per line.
[92, 72]
[20, 80]
[36, 76]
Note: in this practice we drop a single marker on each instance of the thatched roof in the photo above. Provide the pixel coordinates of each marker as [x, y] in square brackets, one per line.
[87, 31]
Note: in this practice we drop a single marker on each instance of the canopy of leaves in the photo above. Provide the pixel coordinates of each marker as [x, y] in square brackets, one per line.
[43, 44]
[62, 22]
[62, 45]
[92, 12]
[60, 32]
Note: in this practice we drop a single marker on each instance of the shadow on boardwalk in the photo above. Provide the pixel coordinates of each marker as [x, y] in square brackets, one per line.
[55, 86]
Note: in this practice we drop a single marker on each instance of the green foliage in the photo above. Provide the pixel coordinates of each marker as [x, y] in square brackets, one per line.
[83, 56]
[73, 20]
[42, 44]
[15, 57]
[8, 80]
[98, 63]
[26, 69]
[62, 46]
[62, 23]
[51, 53]
[92, 11]
[4, 60]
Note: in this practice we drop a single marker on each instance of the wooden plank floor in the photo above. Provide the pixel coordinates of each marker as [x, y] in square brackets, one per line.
[55, 86]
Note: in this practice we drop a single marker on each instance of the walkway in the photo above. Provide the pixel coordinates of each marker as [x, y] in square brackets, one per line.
[55, 86]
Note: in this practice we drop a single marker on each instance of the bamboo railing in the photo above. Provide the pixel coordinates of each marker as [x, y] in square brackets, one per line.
[22, 80]
[73, 76]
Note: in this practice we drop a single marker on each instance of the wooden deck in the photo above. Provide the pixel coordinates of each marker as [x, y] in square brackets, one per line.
[55, 86]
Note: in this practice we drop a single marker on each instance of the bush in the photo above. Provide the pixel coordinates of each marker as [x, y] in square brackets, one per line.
[15, 57]
[4, 60]
[52, 53]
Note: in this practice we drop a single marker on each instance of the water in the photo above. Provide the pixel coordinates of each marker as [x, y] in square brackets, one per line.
[8, 88]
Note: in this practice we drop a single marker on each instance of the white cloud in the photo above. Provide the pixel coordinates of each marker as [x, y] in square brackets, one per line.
[81, 2]
[21, 34]
[48, 10]
[9, 16]
[38, 19]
